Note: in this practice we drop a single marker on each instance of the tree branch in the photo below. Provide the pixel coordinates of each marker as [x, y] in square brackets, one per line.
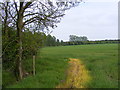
[30, 14]
[13, 17]
[27, 5]
[21, 4]
[29, 20]
[16, 6]
[57, 16]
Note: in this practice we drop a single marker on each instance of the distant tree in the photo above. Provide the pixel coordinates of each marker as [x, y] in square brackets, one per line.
[77, 38]
[62, 43]
[48, 40]
[53, 42]
[57, 42]
[84, 38]
[72, 38]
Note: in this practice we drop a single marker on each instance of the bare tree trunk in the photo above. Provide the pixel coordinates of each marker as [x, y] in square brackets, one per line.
[20, 55]
[19, 35]
[33, 64]
[20, 51]
[20, 25]
[20, 59]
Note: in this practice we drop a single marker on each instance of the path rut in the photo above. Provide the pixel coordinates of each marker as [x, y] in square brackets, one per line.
[77, 75]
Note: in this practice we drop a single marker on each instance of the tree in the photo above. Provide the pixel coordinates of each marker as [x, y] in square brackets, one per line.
[57, 42]
[50, 40]
[62, 43]
[76, 38]
[36, 15]
[84, 38]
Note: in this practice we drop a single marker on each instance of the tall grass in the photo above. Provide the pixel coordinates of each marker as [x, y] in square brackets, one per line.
[101, 61]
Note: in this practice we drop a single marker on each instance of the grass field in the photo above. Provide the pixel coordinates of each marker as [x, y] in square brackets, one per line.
[101, 60]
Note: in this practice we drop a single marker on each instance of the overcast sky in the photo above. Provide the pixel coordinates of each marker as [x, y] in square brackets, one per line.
[96, 19]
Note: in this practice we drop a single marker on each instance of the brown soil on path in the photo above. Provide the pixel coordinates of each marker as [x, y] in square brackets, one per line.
[77, 75]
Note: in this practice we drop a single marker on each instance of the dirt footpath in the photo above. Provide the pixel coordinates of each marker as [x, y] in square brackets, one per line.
[77, 75]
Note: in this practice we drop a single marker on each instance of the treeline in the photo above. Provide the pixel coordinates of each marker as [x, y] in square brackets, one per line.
[74, 40]
[90, 42]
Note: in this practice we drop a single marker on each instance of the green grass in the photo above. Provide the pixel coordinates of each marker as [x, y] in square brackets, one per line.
[100, 59]
[7, 78]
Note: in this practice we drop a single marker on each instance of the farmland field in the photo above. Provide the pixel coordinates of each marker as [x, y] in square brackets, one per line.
[101, 60]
